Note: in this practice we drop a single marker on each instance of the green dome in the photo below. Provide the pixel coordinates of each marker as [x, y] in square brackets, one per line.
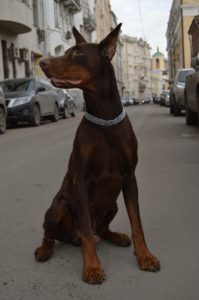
[158, 53]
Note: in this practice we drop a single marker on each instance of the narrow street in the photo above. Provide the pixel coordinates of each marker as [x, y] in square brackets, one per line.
[33, 162]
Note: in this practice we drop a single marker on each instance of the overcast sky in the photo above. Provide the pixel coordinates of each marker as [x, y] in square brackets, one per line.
[155, 15]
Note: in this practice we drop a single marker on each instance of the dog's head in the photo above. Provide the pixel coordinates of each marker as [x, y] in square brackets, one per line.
[81, 63]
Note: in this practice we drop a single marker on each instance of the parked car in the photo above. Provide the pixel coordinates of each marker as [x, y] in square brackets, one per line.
[156, 99]
[66, 103]
[3, 112]
[192, 80]
[165, 98]
[30, 100]
[177, 103]
[125, 100]
[146, 100]
[133, 101]
[192, 99]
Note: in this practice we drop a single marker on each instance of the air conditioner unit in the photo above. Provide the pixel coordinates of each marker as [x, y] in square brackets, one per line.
[68, 35]
[41, 35]
[23, 54]
[16, 53]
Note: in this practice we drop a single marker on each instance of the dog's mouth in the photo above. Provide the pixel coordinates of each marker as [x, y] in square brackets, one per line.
[66, 81]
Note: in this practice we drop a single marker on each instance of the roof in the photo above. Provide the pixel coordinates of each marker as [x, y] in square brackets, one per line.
[157, 53]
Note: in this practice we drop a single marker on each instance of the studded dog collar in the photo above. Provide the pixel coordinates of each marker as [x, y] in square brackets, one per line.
[102, 122]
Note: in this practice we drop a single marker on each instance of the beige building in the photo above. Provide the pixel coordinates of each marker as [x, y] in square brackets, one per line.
[178, 44]
[103, 18]
[21, 37]
[136, 63]
[159, 73]
[107, 21]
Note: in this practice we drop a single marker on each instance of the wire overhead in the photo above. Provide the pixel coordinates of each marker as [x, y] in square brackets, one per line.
[141, 19]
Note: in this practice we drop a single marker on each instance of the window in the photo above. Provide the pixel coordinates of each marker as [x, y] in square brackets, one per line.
[35, 12]
[56, 13]
[157, 63]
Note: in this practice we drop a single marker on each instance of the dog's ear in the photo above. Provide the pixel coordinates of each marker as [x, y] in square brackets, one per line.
[108, 45]
[78, 37]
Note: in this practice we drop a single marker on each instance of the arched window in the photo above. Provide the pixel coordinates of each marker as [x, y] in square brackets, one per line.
[157, 63]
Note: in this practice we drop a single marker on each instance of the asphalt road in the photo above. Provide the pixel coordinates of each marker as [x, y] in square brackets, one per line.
[33, 162]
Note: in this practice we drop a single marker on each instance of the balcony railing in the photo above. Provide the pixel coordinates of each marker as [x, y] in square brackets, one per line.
[73, 5]
[89, 19]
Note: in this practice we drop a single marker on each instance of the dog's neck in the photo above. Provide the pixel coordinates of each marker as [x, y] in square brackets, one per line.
[102, 97]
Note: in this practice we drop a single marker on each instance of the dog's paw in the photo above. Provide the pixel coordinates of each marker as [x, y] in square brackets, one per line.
[43, 254]
[149, 262]
[93, 275]
[122, 240]
[119, 239]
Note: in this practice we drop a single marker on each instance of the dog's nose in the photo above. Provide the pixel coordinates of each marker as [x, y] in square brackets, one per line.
[44, 63]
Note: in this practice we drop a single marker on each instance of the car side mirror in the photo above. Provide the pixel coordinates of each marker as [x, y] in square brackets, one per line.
[40, 89]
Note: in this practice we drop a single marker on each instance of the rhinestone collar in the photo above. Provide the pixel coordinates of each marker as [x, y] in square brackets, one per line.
[102, 122]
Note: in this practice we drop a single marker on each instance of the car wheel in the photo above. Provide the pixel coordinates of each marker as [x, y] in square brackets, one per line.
[176, 109]
[65, 113]
[73, 114]
[36, 118]
[191, 117]
[2, 120]
[55, 117]
[171, 109]
[11, 124]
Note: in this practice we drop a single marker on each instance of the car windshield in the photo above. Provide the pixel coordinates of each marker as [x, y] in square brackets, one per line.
[183, 74]
[17, 85]
[166, 92]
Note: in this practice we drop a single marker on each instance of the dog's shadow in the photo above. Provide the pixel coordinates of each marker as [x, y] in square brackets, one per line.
[110, 255]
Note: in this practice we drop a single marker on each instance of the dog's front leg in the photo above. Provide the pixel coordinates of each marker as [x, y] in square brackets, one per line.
[92, 270]
[146, 260]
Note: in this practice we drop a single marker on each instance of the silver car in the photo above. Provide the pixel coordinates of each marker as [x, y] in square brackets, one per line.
[177, 102]
[3, 112]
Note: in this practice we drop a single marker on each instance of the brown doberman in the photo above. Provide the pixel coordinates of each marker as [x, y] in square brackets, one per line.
[102, 162]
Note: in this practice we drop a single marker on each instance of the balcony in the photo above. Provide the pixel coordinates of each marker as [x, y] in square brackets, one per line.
[142, 86]
[89, 19]
[73, 5]
[15, 19]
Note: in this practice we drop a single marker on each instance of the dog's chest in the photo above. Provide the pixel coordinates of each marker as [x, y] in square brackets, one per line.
[109, 161]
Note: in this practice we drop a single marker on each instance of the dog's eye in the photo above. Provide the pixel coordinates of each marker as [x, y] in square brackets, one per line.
[77, 52]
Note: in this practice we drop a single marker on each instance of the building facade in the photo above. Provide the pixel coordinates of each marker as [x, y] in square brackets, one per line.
[59, 20]
[178, 44]
[88, 20]
[103, 19]
[117, 59]
[136, 64]
[21, 37]
[44, 28]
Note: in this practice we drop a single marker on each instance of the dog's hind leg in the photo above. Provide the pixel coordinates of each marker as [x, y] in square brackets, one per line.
[119, 239]
[54, 215]
[146, 260]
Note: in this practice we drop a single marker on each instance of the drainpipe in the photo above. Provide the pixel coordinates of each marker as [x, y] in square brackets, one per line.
[44, 10]
[182, 28]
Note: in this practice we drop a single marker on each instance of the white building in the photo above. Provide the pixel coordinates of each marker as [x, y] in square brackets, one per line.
[59, 19]
[117, 59]
[60, 16]
[21, 37]
[136, 62]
